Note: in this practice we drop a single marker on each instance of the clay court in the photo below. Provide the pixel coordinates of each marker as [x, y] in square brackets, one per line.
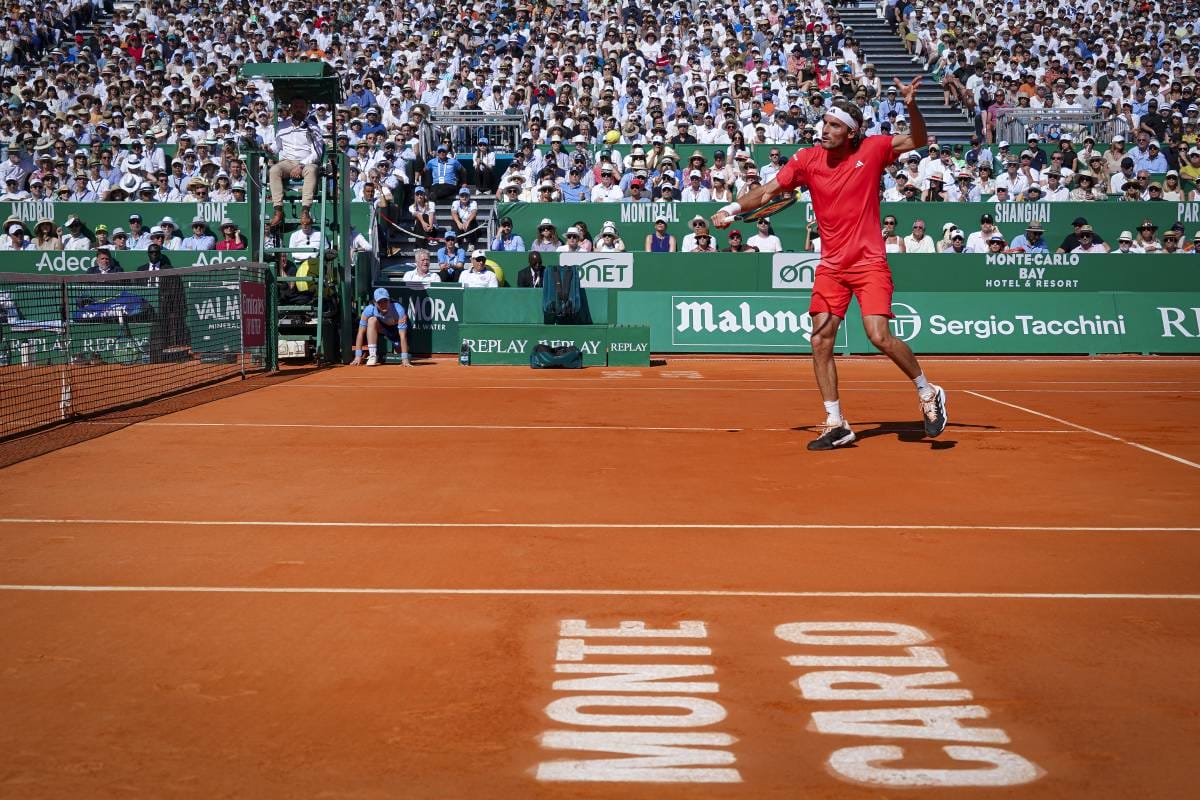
[406, 583]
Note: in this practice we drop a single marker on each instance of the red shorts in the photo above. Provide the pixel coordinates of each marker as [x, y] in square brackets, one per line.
[871, 284]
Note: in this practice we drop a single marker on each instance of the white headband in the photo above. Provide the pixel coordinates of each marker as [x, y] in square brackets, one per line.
[842, 117]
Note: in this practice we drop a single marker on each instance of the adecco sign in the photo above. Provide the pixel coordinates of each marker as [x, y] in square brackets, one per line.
[601, 270]
[794, 270]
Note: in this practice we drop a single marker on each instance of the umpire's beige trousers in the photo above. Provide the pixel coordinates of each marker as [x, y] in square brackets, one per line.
[283, 170]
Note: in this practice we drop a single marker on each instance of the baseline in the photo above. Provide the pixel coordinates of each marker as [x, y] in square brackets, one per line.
[580, 592]
[595, 525]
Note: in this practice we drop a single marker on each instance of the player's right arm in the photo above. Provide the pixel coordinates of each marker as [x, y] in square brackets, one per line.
[751, 199]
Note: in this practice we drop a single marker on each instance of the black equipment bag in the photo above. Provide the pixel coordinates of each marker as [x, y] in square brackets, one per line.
[546, 357]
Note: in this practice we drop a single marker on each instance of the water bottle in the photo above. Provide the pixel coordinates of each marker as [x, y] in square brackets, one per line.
[464, 355]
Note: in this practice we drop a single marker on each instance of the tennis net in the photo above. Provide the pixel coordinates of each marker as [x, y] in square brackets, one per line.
[74, 346]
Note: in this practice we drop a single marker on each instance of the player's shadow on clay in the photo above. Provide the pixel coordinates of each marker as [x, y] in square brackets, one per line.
[910, 432]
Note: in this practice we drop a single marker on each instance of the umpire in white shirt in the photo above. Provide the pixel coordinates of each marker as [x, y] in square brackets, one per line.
[298, 145]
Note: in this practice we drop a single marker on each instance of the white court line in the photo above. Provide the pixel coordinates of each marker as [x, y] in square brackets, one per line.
[457, 427]
[652, 376]
[1078, 391]
[742, 526]
[681, 386]
[689, 385]
[1101, 434]
[17, 587]
[866, 358]
[646, 428]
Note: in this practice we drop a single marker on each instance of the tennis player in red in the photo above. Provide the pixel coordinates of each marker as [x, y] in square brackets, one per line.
[842, 176]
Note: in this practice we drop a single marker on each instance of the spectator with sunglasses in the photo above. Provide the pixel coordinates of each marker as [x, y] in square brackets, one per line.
[736, 245]
[764, 239]
[918, 241]
[505, 239]
[892, 241]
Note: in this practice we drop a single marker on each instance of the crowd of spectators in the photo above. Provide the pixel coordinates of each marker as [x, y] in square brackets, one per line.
[1133, 64]
[987, 238]
[74, 234]
[615, 96]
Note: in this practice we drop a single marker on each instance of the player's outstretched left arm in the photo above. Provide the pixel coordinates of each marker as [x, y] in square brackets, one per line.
[916, 137]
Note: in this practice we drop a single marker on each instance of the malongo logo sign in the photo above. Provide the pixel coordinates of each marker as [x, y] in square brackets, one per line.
[743, 322]
[601, 270]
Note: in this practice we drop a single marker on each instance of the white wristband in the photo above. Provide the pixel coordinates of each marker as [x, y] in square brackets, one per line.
[732, 208]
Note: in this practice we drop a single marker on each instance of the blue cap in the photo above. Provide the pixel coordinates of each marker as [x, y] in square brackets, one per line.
[382, 294]
[483, 140]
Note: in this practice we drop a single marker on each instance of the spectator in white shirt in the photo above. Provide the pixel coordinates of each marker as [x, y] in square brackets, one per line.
[977, 241]
[1055, 191]
[695, 192]
[16, 238]
[607, 190]
[420, 273]
[917, 241]
[478, 276]
[305, 242]
[763, 239]
[76, 238]
[698, 225]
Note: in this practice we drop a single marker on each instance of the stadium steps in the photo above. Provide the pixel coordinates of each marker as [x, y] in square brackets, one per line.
[886, 51]
[392, 267]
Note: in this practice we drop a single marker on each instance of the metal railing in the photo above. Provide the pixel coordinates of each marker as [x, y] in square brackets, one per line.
[466, 128]
[1015, 124]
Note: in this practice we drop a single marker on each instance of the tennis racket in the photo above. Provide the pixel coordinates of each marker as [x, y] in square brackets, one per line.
[769, 208]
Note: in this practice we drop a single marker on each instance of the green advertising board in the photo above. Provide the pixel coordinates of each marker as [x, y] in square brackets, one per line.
[213, 319]
[1048, 322]
[80, 261]
[116, 214]
[434, 316]
[713, 322]
[767, 272]
[932, 322]
[513, 344]
[600, 345]
[635, 220]
[1159, 322]
[758, 303]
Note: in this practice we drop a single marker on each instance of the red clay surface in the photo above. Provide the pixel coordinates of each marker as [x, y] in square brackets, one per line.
[1081, 642]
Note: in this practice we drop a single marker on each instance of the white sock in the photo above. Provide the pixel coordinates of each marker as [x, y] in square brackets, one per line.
[372, 349]
[833, 411]
[921, 384]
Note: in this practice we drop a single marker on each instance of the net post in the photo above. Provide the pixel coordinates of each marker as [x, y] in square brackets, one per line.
[242, 353]
[64, 390]
[272, 355]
